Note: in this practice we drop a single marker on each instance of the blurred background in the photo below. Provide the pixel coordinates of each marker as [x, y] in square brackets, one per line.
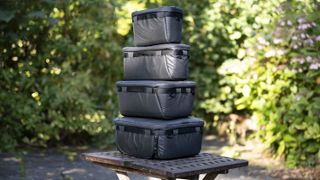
[256, 64]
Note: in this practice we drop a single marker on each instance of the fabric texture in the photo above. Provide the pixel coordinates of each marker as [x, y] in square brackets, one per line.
[158, 139]
[156, 99]
[159, 62]
[157, 26]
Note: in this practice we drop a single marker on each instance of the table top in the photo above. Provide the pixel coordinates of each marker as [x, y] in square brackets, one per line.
[200, 164]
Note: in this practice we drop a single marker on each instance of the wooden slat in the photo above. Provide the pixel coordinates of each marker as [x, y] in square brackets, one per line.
[210, 176]
[177, 168]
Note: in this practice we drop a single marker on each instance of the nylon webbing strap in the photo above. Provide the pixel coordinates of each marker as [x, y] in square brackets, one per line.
[134, 130]
[140, 89]
[157, 15]
[177, 131]
[155, 53]
[176, 90]
[185, 130]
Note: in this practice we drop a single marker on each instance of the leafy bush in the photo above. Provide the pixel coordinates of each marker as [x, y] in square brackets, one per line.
[276, 78]
[59, 63]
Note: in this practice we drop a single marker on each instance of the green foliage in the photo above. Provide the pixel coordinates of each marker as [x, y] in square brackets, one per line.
[59, 63]
[215, 31]
[276, 78]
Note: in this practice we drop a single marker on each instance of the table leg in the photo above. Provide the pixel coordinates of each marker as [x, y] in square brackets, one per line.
[210, 176]
[195, 177]
[153, 178]
[122, 175]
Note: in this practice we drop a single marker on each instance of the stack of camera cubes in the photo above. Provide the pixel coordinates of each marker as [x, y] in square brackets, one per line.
[155, 97]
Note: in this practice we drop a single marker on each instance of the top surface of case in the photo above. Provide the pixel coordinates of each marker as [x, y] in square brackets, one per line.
[157, 47]
[156, 124]
[155, 10]
[155, 84]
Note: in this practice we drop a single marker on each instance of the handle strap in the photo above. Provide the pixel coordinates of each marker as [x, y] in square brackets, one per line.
[156, 53]
[141, 89]
[157, 15]
[170, 132]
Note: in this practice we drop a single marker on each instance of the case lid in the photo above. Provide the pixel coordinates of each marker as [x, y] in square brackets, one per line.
[157, 124]
[156, 10]
[157, 47]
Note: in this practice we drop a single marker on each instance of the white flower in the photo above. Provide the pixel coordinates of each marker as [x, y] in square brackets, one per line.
[261, 40]
[309, 25]
[270, 53]
[301, 20]
[277, 40]
[251, 52]
[289, 23]
[295, 59]
[280, 52]
[308, 42]
[313, 24]
[295, 46]
[298, 60]
[282, 23]
[314, 66]
[294, 37]
[317, 38]
[301, 61]
[304, 26]
[309, 58]
[259, 47]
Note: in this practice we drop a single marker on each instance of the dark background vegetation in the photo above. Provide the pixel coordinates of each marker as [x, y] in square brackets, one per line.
[256, 64]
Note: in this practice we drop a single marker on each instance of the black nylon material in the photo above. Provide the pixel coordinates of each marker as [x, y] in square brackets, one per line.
[156, 99]
[140, 89]
[158, 26]
[177, 131]
[158, 62]
[157, 139]
[154, 53]
[157, 15]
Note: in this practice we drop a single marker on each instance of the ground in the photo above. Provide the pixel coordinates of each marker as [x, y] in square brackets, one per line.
[66, 163]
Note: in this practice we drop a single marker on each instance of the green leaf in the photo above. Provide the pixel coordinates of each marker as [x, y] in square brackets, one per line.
[312, 148]
[288, 138]
[281, 147]
[235, 35]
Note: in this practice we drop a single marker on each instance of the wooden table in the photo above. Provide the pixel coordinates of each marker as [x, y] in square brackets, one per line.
[185, 168]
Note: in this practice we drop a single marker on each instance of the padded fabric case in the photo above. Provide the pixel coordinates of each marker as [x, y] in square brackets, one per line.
[151, 138]
[159, 62]
[156, 99]
[157, 26]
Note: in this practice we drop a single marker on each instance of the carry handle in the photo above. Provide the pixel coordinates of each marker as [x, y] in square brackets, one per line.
[140, 89]
[171, 132]
[174, 52]
[177, 15]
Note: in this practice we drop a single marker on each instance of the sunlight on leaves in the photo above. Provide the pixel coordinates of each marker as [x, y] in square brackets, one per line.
[124, 16]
